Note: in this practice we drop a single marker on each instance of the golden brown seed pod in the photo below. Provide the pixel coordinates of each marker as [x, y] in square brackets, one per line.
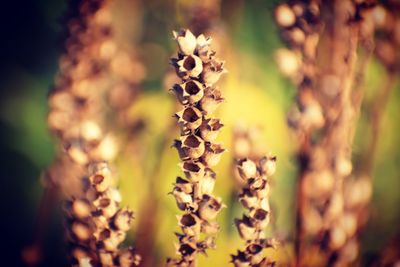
[288, 62]
[206, 185]
[268, 165]
[209, 228]
[90, 131]
[122, 219]
[209, 207]
[106, 259]
[189, 66]
[81, 231]
[184, 185]
[212, 154]
[80, 208]
[194, 171]
[190, 118]
[101, 181]
[183, 199]
[245, 228]
[213, 71]
[189, 92]
[248, 199]
[284, 15]
[261, 217]
[190, 224]
[128, 258]
[211, 101]
[209, 129]
[247, 168]
[186, 41]
[193, 145]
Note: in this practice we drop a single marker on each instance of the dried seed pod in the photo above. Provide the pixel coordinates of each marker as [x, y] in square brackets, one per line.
[181, 151]
[184, 185]
[187, 250]
[112, 241]
[189, 66]
[81, 231]
[212, 154]
[288, 62]
[211, 100]
[209, 228]
[245, 228]
[194, 171]
[101, 177]
[203, 48]
[77, 153]
[90, 131]
[261, 217]
[268, 165]
[206, 185]
[284, 15]
[248, 200]
[80, 208]
[122, 219]
[240, 260]
[213, 71]
[190, 224]
[190, 118]
[128, 258]
[247, 168]
[183, 199]
[106, 259]
[193, 146]
[209, 207]
[209, 129]
[254, 250]
[186, 41]
[189, 92]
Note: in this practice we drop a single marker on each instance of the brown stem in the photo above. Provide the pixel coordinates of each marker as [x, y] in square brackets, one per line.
[300, 200]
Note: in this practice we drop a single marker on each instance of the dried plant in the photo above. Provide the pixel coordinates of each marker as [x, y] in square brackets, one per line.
[254, 197]
[96, 223]
[324, 38]
[199, 70]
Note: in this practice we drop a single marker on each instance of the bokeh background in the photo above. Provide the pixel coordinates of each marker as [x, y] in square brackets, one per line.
[32, 40]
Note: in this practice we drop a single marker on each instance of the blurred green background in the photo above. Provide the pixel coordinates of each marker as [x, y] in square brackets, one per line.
[32, 36]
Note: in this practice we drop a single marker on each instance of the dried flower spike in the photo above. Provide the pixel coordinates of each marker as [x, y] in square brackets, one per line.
[254, 197]
[199, 69]
[96, 225]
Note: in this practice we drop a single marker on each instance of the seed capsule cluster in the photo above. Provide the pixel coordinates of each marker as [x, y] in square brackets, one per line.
[96, 223]
[199, 70]
[324, 117]
[255, 198]
[300, 26]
